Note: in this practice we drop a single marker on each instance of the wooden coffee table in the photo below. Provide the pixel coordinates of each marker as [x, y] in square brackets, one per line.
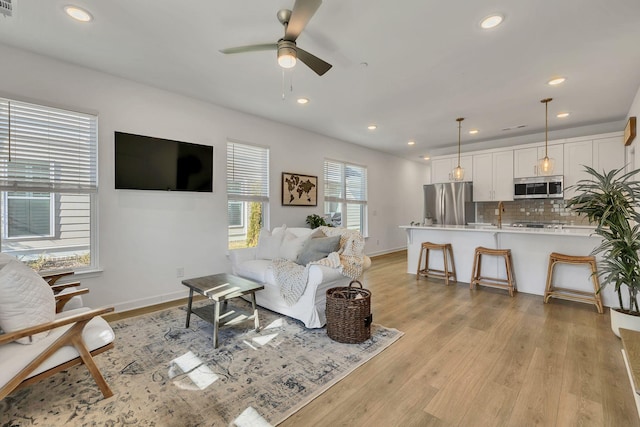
[220, 288]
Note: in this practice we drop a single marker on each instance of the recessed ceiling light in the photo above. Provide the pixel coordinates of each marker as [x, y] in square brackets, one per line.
[78, 14]
[562, 115]
[473, 131]
[372, 127]
[303, 101]
[491, 21]
[426, 157]
[556, 81]
[411, 143]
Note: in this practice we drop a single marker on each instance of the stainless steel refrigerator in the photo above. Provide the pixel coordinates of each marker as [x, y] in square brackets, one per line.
[449, 203]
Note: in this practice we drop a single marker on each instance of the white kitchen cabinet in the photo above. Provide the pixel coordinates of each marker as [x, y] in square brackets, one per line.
[601, 154]
[525, 160]
[442, 169]
[608, 154]
[577, 155]
[493, 176]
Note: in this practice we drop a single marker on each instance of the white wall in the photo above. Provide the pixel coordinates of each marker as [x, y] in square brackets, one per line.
[143, 235]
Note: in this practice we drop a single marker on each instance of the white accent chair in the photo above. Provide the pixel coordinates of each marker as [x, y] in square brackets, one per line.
[39, 338]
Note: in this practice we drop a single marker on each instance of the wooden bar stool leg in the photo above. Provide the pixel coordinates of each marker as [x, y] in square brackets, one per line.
[596, 287]
[419, 262]
[510, 278]
[453, 263]
[474, 271]
[446, 266]
[548, 288]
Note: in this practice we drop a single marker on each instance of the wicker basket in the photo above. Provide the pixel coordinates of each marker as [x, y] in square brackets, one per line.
[349, 314]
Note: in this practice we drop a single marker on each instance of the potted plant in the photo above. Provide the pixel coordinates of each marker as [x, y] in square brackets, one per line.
[611, 201]
[315, 221]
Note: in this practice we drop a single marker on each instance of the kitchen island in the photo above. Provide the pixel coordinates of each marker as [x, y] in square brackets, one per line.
[530, 248]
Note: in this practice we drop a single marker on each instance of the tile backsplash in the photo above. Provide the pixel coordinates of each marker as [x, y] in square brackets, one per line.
[532, 210]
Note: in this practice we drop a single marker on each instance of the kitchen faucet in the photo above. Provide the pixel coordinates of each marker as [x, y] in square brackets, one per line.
[500, 210]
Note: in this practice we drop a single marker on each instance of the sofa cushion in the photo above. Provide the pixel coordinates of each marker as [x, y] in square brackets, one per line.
[292, 245]
[269, 243]
[254, 269]
[25, 300]
[318, 248]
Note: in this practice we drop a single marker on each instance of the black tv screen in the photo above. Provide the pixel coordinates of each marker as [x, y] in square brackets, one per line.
[147, 163]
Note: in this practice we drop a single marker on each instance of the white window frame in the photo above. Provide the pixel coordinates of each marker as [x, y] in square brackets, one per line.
[6, 195]
[66, 140]
[247, 179]
[343, 196]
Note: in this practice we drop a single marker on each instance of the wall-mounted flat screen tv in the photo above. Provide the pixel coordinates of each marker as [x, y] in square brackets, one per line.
[147, 163]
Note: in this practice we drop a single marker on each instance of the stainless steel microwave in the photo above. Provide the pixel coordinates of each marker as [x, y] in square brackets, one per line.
[539, 187]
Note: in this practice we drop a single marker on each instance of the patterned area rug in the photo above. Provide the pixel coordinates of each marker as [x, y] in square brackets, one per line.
[163, 374]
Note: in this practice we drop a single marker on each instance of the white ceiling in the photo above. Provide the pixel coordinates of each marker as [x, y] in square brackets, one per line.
[428, 62]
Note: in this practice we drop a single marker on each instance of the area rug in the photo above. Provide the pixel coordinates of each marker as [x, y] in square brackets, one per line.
[163, 374]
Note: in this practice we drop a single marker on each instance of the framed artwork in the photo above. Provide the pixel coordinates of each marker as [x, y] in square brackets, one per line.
[630, 131]
[299, 190]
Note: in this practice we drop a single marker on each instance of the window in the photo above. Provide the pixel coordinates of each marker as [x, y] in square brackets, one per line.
[247, 192]
[48, 183]
[345, 195]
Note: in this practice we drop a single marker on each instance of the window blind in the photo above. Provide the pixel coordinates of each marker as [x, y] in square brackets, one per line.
[47, 149]
[344, 182]
[247, 172]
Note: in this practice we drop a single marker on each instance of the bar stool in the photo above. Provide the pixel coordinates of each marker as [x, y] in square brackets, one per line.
[572, 294]
[449, 264]
[478, 279]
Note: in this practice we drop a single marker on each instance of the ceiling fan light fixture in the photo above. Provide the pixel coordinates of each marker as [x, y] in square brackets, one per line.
[287, 55]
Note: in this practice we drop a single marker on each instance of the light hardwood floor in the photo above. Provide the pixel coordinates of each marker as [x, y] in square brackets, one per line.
[479, 358]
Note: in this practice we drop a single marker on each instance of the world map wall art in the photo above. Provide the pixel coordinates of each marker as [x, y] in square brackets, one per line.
[299, 190]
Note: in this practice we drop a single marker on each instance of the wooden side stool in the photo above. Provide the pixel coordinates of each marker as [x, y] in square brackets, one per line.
[476, 272]
[572, 294]
[449, 264]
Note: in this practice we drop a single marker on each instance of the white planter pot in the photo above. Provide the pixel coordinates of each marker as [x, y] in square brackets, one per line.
[622, 320]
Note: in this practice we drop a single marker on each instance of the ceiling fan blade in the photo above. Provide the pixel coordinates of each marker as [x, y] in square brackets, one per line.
[316, 64]
[302, 12]
[250, 48]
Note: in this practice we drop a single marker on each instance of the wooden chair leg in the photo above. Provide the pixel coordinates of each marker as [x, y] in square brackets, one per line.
[548, 287]
[88, 361]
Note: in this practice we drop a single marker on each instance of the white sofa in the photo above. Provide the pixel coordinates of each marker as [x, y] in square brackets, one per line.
[257, 264]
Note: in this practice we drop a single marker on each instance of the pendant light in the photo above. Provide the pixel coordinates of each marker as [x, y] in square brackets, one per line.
[545, 165]
[458, 172]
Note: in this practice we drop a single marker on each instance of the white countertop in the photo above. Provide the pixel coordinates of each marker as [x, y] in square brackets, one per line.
[571, 230]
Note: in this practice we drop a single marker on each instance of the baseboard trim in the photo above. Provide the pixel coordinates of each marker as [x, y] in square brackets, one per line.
[386, 252]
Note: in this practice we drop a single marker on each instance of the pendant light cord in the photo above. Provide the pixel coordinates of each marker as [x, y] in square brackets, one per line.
[546, 125]
[459, 120]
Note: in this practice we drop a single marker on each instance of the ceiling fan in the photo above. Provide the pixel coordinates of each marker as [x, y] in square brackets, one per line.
[294, 22]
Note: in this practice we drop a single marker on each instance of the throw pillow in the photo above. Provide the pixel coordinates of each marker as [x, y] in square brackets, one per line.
[291, 245]
[269, 244]
[25, 300]
[316, 249]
